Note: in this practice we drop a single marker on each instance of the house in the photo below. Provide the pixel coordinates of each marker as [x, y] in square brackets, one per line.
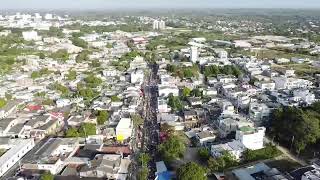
[163, 106]
[265, 85]
[31, 36]
[258, 111]
[194, 101]
[234, 147]
[137, 76]
[17, 149]
[170, 119]
[52, 155]
[304, 95]
[9, 108]
[124, 129]
[251, 138]
[283, 82]
[205, 137]
[257, 171]
[63, 102]
[230, 123]
[110, 166]
[6, 124]
[282, 60]
[166, 90]
[162, 172]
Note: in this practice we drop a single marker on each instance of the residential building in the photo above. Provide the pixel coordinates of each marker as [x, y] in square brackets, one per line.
[17, 149]
[124, 129]
[251, 138]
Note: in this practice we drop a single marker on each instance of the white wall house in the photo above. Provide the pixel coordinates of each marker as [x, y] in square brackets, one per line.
[164, 90]
[31, 36]
[137, 76]
[194, 54]
[124, 129]
[17, 150]
[235, 148]
[251, 138]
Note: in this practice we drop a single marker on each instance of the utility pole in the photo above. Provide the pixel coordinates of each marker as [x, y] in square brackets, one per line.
[291, 143]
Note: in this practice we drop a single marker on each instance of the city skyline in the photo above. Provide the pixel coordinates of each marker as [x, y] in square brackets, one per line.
[145, 4]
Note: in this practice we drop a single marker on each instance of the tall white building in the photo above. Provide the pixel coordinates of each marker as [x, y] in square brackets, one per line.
[194, 54]
[251, 138]
[162, 24]
[48, 16]
[31, 36]
[159, 25]
[155, 24]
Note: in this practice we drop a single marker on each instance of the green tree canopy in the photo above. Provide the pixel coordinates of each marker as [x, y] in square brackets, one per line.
[79, 42]
[102, 117]
[204, 153]
[47, 176]
[72, 75]
[144, 159]
[172, 148]
[61, 54]
[222, 163]
[72, 132]
[137, 120]
[87, 129]
[115, 98]
[82, 56]
[191, 171]
[294, 125]
[3, 102]
[186, 92]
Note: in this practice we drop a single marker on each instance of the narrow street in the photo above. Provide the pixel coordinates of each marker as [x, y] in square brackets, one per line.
[151, 126]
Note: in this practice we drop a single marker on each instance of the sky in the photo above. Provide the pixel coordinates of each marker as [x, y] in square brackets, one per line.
[146, 4]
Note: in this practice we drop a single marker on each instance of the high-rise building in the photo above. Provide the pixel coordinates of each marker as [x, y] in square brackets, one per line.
[155, 24]
[162, 24]
[159, 25]
[194, 54]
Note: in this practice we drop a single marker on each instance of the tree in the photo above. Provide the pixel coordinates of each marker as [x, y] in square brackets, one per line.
[87, 129]
[295, 127]
[196, 92]
[115, 98]
[191, 171]
[79, 42]
[268, 152]
[48, 102]
[82, 56]
[72, 132]
[35, 75]
[8, 96]
[137, 120]
[175, 103]
[72, 75]
[143, 174]
[42, 56]
[3, 102]
[95, 63]
[204, 153]
[92, 80]
[186, 92]
[172, 148]
[47, 176]
[166, 128]
[144, 159]
[225, 161]
[61, 54]
[102, 117]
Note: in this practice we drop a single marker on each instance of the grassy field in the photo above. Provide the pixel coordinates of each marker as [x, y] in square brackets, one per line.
[300, 69]
[272, 54]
